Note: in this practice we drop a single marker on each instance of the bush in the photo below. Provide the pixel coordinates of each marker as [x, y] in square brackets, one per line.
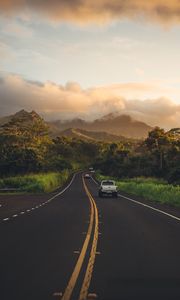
[36, 182]
[153, 189]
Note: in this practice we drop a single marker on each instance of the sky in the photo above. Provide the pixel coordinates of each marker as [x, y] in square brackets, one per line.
[74, 58]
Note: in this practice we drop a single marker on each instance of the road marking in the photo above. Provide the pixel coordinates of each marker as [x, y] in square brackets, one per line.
[88, 275]
[92, 296]
[77, 252]
[145, 205]
[60, 193]
[151, 207]
[73, 279]
[22, 212]
[14, 216]
[49, 200]
[94, 181]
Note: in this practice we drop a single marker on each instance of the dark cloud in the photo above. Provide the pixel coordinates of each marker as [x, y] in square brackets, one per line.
[83, 11]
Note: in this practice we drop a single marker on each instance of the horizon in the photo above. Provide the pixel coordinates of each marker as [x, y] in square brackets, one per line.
[85, 60]
[111, 115]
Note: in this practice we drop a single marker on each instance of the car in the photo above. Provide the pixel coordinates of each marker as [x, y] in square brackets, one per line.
[109, 188]
[91, 170]
[87, 176]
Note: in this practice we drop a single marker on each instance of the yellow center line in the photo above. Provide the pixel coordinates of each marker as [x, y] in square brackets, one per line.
[88, 275]
[73, 279]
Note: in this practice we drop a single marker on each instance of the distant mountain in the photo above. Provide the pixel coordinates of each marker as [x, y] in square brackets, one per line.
[112, 127]
[91, 135]
[119, 125]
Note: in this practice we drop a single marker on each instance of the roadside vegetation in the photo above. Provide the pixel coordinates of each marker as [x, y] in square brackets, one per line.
[152, 189]
[35, 182]
[32, 160]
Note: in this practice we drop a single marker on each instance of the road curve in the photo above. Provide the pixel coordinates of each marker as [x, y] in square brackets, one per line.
[113, 248]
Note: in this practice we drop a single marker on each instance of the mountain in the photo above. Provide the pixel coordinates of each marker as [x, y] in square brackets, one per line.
[21, 119]
[91, 135]
[119, 125]
[22, 116]
[112, 127]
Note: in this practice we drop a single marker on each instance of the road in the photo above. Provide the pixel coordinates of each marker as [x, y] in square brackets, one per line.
[73, 243]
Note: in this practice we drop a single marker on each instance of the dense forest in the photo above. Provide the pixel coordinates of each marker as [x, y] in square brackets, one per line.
[27, 147]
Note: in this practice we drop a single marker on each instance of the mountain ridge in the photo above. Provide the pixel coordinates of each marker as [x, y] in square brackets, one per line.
[111, 126]
[120, 125]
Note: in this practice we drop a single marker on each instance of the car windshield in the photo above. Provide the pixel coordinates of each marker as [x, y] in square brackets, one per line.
[108, 182]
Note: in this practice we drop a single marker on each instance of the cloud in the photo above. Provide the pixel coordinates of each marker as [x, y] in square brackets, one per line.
[54, 101]
[16, 30]
[84, 11]
[5, 51]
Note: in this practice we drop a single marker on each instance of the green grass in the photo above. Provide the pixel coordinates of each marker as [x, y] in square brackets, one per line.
[153, 189]
[36, 182]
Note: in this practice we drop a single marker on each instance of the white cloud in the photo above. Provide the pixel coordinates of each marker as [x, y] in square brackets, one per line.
[13, 28]
[139, 72]
[55, 101]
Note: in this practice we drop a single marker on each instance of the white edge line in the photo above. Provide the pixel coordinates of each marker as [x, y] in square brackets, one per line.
[94, 180]
[63, 189]
[145, 205]
[153, 208]
[28, 210]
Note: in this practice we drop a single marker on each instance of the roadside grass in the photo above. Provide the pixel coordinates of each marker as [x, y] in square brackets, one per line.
[153, 189]
[35, 183]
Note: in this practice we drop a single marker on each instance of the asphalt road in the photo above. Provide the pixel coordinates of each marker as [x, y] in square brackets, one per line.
[77, 243]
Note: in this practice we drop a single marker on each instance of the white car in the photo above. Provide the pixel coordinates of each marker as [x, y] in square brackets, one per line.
[109, 188]
[87, 176]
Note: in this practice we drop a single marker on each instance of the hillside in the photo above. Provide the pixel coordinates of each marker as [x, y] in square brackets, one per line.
[111, 127]
[21, 116]
[91, 135]
[119, 125]
[23, 123]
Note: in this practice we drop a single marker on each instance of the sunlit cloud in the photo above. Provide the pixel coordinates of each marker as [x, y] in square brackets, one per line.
[14, 29]
[54, 101]
[99, 11]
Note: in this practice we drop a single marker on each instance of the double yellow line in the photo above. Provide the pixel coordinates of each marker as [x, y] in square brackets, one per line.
[88, 273]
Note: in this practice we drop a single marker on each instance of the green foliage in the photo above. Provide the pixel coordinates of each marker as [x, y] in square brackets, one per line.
[36, 183]
[153, 189]
[163, 193]
[157, 156]
[26, 147]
